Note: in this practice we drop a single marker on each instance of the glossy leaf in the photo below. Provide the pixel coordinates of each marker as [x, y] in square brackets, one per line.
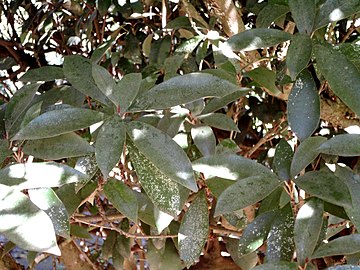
[321, 184]
[183, 89]
[303, 12]
[194, 230]
[305, 154]
[109, 144]
[347, 145]
[276, 266]
[220, 121]
[308, 224]
[166, 155]
[122, 198]
[47, 200]
[126, 90]
[256, 38]
[62, 146]
[45, 73]
[344, 245]
[266, 78]
[25, 224]
[282, 159]
[341, 74]
[304, 106]
[241, 194]
[299, 54]
[269, 14]
[57, 122]
[204, 139]
[39, 175]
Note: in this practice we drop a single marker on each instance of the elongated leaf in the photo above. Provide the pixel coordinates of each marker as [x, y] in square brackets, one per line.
[38, 175]
[269, 14]
[126, 90]
[123, 198]
[344, 245]
[220, 121]
[109, 144]
[322, 183]
[241, 194]
[166, 155]
[18, 104]
[146, 209]
[282, 159]
[256, 38]
[341, 74]
[265, 78]
[304, 106]
[308, 224]
[303, 12]
[46, 73]
[217, 185]
[47, 200]
[335, 10]
[347, 145]
[63, 146]
[165, 194]
[344, 267]
[103, 80]
[183, 89]
[305, 154]
[247, 261]
[204, 139]
[299, 54]
[4, 150]
[276, 266]
[194, 230]
[57, 122]
[24, 224]
[100, 51]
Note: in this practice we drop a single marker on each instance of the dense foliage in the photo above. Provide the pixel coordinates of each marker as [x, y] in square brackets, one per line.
[172, 134]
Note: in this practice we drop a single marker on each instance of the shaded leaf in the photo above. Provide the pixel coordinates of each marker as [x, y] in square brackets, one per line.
[347, 145]
[344, 267]
[220, 121]
[266, 78]
[146, 209]
[100, 51]
[46, 73]
[170, 259]
[276, 266]
[204, 139]
[126, 90]
[282, 159]
[81, 232]
[344, 245]
[303, 12]
[269, 14]
[4, 150]
[103, 80]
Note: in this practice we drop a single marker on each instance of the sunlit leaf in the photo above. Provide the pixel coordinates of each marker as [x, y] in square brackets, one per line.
[46, 73]
[347, 145]
[344, 245]
[204, 139]
[282, 159]
[303, 12]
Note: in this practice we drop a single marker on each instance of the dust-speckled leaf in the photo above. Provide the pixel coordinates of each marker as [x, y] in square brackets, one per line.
[282, 159]
[341, 73]
[303, 12]
[46, 73]
[220, 121]
[38, 175]
[126, 90]
[204, 139]
[109, 144]
[269, 14]
[242, 193]
[276, 266]
[347, 145]
[194, 230]
[57, 122]
[299, 54]
[62, 146]
[165, 194]
[304, 106]
[47, 200]
[266, 78]
[86, 165]
[183, 89]
[308, 224]
[344, 267]
[163, 152]
[123, 198]
[321, 184]
[256, 38]
[25, 224]
[344, 245]
[305, 154]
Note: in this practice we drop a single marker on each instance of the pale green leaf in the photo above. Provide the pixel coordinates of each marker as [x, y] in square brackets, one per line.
[46, 73]
[344, 245]
[219, 121]
[344, 267]
[282, 159]
[204, 139]
[265, 77]
[86, 165]
[269, 14]
[276, 266]
[347, 145]
[103, 80]
[126, 90]
[303, 12]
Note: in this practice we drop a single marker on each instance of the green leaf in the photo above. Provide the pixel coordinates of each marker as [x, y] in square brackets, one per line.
[335, 10]
[170, 258]
[245, 262]
[122, 198]
[344, 267]
[204, 139]
[341, 74]
[47, 200]
[183, 89]
[344, 245]
[31, 113]
[25, 224]
[269, 14]
[39, 175]
[63, 146]
[241, 194]
[303, 12]
[194, 230]
[220, 121]
[304, 106]
[347, 145]
[227, 146]
[81, 232]
[305, 154]
[146, 209]
[276, 266]
[109, 144]
[78, 71]
[256, 38]
[103, 80]
[18, 104]
[4, 150]
[299, 54]
[280, 241]
[57, 122]
[217, 185]
[321, 184]
[308, 225]
[265, 78]
[46, 73]
[282, 159]
[166, 194]
[163, 152]
[126, 90]
[100, 51]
